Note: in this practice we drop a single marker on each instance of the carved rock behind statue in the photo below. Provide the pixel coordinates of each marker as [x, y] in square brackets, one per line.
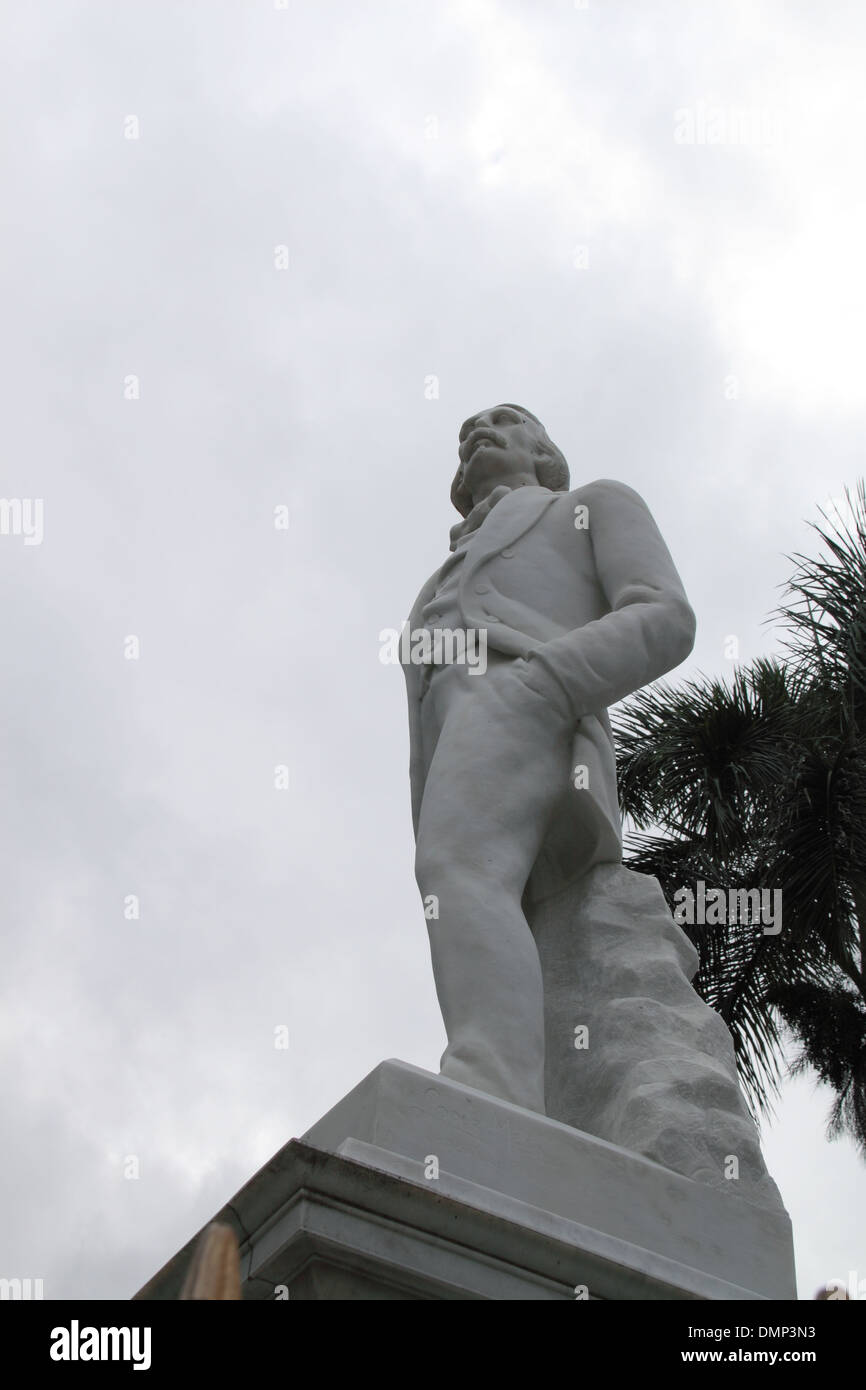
[654, 1071]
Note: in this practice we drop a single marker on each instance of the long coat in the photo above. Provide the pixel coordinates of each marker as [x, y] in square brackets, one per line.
[585, 580]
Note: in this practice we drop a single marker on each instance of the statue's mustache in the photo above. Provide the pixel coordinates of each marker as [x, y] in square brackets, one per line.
[479, 437]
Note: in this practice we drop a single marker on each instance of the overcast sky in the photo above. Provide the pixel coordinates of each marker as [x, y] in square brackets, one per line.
[261, 255]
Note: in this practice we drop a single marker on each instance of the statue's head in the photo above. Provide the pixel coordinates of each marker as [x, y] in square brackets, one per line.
[501, 444]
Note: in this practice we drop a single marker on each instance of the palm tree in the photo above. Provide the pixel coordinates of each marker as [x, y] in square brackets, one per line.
[760, 782]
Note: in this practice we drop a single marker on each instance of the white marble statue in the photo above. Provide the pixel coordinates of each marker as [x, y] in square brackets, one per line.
[536, 929]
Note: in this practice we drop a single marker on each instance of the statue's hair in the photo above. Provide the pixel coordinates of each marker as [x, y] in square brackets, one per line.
[551, 468]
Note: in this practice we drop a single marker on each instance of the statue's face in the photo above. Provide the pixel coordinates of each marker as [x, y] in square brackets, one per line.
[497, 446]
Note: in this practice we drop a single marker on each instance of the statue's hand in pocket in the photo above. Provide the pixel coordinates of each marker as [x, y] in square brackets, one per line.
[537, 676]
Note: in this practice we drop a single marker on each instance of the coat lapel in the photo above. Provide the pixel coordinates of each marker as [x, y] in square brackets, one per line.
[508, 520]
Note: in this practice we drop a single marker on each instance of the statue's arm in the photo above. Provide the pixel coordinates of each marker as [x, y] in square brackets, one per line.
[416, 764]
[650, 628]
[412, 672]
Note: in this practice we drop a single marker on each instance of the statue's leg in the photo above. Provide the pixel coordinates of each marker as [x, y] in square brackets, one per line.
[501, 756]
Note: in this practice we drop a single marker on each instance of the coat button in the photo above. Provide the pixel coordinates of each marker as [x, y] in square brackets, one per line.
[482, 588]
[506, 554]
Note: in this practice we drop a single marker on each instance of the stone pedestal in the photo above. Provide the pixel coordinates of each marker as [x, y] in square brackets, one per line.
[414, 1186]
